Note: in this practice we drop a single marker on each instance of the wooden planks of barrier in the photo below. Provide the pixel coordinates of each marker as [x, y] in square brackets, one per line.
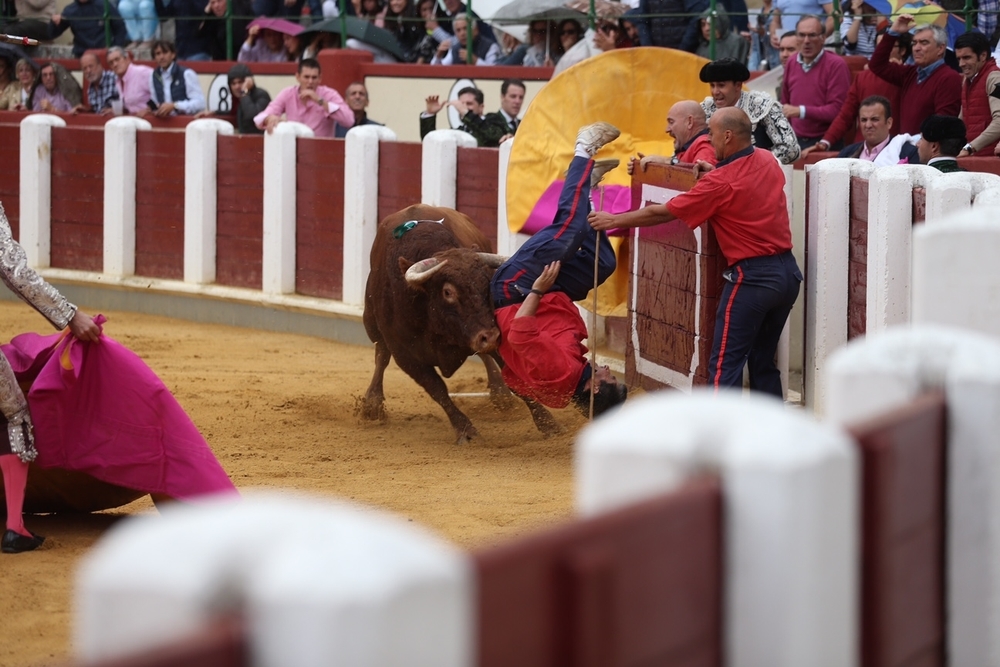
[10, 176]
[476, 188]
[903, 535]
[636, 586]
[240, 211]
[676, 281]
[159, 204]
[319, 226]
[77, 198]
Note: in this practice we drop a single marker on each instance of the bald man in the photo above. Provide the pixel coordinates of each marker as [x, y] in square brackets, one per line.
[687, 127]
[742, 196]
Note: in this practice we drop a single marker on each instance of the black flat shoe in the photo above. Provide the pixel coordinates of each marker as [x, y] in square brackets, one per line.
[15, 543]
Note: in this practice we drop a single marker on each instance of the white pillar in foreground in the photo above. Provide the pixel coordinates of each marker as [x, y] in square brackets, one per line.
[36, 187]
[790, 487]
[826, 269]
[360, 206]
[200, 192]
[119, 193]
[343, 585]
[880, 372]
[953, 193]
[280, 154]
[439, 166]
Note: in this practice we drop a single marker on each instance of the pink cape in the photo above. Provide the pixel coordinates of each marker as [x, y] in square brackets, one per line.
[617, 199]
[99, 409]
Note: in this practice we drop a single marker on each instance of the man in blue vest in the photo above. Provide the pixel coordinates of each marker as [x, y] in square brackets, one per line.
[173, 89]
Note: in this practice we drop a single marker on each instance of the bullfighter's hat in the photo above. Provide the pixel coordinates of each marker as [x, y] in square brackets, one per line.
[942, 128]
[725, 69]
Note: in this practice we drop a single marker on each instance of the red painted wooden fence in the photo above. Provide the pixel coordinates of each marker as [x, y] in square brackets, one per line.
[77, 198]
[399, 174]
[319, 233]
[240, 205]
[159, 204]
[10, 175]
[477, 188]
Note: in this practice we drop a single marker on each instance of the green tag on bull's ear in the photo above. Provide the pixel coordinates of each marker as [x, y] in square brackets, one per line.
[403, 228]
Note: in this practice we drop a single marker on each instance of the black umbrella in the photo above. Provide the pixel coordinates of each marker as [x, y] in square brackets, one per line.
[361, 30]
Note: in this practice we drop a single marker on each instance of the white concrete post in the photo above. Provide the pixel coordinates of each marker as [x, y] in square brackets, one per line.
[439, 166]
[988, 197]
[880, 372]
[952, 193]
[826, 270]
[951, 284]
[119, 193]
[890, 227]
[507, 241]
[343, 586]
[790, 488]
[36, 187]
[360, 206]
[200, 193]
[278, 264]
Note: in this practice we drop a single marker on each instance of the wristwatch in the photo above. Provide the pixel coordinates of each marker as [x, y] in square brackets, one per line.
[968, 149]
[824, 147]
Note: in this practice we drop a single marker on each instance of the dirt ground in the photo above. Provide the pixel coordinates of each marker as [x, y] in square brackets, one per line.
[278, 410]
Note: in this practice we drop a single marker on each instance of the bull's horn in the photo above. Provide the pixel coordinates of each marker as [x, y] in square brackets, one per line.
[418, 273]
[492, 260]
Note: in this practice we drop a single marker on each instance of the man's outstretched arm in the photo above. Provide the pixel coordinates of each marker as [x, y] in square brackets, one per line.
[644, 217]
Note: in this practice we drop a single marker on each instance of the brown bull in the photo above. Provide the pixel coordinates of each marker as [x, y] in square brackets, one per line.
[427, 305]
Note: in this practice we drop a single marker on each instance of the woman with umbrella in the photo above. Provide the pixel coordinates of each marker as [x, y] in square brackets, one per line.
[400, 19]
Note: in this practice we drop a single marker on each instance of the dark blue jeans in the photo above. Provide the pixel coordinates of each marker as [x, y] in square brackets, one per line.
[755, 302]
[569, 239]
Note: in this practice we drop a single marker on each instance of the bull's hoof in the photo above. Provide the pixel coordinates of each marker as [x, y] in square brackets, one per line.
[370, 410]
[466, 435]
[546, 424]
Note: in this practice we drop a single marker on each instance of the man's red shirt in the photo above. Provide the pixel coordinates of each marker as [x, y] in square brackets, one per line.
[543, 354]
[700, 149]
[745, 200]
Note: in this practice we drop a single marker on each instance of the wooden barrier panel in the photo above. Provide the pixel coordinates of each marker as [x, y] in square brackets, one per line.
[903, 535]
[240, 220]
[10, 175]
[677, 280]
[78, 198]
[638, 586]
[319, 232]
[476, 188]
[159, 204]
[399, 174]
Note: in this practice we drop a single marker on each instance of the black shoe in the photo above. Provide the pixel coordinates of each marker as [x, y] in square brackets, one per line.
[15, 543]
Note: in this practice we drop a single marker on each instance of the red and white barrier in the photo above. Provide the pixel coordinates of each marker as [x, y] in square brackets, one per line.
[36, 187]
[200, 191]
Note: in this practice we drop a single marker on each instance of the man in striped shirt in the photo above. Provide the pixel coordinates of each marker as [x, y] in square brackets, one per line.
[103, 87]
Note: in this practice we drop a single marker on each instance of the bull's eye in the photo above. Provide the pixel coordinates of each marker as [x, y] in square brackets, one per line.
[449, 293]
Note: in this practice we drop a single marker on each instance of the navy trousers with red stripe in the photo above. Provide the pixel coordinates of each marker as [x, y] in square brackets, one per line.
[569, 239]
[758, 295]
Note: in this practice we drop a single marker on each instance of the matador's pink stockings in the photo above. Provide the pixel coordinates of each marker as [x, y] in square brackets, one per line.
[15, 479]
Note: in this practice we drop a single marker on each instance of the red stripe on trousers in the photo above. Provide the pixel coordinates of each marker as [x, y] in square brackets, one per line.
[576, 199]
[725, 329]
[506, 283]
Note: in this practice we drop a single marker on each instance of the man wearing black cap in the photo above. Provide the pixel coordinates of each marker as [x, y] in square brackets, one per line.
[771, 130]
[941, 140]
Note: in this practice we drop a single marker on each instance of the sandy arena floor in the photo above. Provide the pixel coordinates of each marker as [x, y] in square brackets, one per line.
[278, 410]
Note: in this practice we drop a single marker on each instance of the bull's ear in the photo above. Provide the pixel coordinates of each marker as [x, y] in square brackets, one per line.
[404, 264]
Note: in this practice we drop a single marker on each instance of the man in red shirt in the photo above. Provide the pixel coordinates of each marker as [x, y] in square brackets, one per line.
[743, 196]
[541, 331]
[686, 125]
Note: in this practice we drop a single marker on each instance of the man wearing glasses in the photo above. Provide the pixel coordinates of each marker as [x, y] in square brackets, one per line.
[815, 84]
[133, 80]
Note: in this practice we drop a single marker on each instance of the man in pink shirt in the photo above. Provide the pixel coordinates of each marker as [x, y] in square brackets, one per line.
[318, 107]
[133, 81]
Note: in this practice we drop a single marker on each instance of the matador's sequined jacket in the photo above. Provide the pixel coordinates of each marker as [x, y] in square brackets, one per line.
[25, 282]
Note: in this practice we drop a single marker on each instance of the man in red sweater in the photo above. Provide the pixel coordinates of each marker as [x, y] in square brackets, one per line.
[743, 197]
[686, 125]
[541, 331]
[926, 88]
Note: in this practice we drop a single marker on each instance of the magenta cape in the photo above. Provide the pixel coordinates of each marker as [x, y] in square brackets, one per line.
[99, 409]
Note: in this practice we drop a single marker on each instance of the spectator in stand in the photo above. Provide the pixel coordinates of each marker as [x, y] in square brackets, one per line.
[357, 100]
[317, 106]
[763, 54]
[612, 35]
[470, 107]
[248, 100]
[569, 32]
[771, 130]
[941, 140]
[447, 11]
[859, 31]
[814, 86]
[788, 46]
[141, 21]
[401, 20]
[875, 123]
[174, 89]
[26, 75]
[428, 44]
[511, 98]
[190, 42]
[54, 93]
[263, 46]
[132, 79]
[687, 126]
[31, 19]
[788, 13]
[865, 85]
[512, 50]
[727, 43]
[980, 109]
[986, 16]
[371, 11]
[928, 86]
[86, 19]
[453, 51]
[212, 30]
[102, 90]
[294, 47]
[10, 88]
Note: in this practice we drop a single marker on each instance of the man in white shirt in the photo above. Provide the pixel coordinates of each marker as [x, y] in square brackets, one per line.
[173, 89]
